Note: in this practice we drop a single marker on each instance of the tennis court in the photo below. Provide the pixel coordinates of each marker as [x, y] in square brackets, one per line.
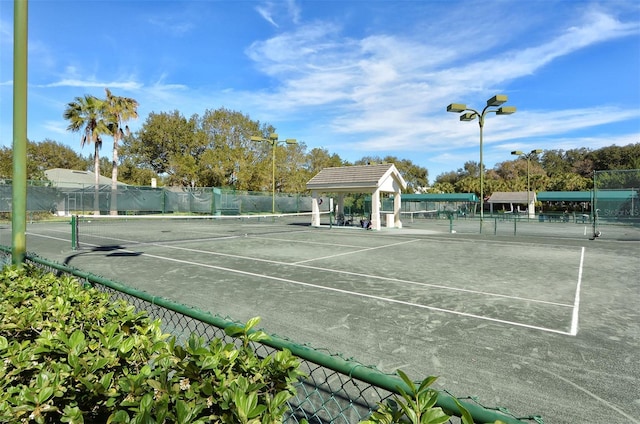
[544, 325]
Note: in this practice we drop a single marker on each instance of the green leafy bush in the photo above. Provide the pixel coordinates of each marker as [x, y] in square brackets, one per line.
[72, 355]
[417, 406]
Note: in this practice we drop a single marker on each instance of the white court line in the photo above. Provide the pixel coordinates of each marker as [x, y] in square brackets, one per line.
[481, 317]
[591, 394]
[366, 249]
[401, 302]
[374, 277]
[576, 302]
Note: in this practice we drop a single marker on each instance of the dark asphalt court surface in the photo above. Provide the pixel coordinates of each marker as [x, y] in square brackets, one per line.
[539, 325]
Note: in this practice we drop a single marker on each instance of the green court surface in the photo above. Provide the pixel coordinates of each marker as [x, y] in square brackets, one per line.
[545, 325]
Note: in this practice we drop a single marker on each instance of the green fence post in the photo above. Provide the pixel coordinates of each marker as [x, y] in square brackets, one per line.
[74, 232]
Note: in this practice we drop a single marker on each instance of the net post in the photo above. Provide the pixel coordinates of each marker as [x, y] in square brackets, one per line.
[74, 232]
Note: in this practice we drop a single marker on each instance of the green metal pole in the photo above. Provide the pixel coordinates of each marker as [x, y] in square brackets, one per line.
[19, 182]
[528, 188]
[481, 122]
[273, 177]
[74, 232]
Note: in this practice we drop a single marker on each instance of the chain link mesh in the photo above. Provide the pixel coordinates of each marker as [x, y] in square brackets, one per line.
[325, 395]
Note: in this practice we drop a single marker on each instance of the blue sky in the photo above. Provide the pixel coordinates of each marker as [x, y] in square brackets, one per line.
[355, 77]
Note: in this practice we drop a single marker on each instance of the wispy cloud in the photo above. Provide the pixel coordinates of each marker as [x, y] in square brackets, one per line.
[171, 24]
[125, 85]
[266, 11]
[388, 87]
[351, 82]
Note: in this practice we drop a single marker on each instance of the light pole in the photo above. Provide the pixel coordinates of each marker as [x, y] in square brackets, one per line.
[273, 141]
[470, 115]
[528, 157]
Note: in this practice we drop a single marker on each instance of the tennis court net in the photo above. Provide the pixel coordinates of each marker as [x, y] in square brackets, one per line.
[90, 231]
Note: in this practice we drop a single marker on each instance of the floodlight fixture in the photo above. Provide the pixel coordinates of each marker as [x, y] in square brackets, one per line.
[273, 140]
[497, 100]
[468, 116]
[506, 110]
[528, 156]
[471, 114]
[456, 107]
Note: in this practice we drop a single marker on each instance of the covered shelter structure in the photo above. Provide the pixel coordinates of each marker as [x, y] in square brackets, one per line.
[78, 189]
[514, 197]
[369, 179]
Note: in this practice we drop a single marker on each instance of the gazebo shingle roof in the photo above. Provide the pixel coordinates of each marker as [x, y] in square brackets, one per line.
[357, 176]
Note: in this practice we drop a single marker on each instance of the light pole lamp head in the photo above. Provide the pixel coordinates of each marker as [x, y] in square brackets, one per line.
[273, 136]
[497, 100]
[456, 107]
[291, 141]
[517, 152]
[468, 116]
[256, 138]
[537, 151]
[506, 110]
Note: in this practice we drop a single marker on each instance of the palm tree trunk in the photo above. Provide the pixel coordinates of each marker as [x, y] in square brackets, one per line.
[114, 177]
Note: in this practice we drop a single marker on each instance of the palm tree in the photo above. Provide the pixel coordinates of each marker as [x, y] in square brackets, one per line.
[85, 114]
[117, 110]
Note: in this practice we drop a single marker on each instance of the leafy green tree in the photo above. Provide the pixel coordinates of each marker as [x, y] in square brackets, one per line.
[230, 157]
[319, 158]
[160, 145]
[442, 187]
[86, 114]
[468, 184]
[117, 111]
[290, 175]
[569, 182]
[130, 173]
[415, 176]
[616, 157]
[6, 162]
[41, 156]
[50, 154]
[447, 178]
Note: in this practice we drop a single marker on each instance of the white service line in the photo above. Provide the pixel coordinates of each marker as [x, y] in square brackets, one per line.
[301, 283]
[576, 302]
[574, 322]
[354, 251]
[374, 277]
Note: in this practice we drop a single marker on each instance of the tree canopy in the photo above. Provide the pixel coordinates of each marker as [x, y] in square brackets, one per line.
[215, 150]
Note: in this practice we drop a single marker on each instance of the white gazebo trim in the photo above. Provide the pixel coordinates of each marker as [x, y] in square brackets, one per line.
[371, 179]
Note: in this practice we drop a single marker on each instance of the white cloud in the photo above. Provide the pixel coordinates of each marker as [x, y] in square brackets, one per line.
[125, 85]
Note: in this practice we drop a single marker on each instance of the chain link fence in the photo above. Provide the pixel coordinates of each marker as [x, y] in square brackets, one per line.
[335, 389]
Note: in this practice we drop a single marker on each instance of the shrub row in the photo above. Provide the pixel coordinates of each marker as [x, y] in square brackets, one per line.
[72, 355]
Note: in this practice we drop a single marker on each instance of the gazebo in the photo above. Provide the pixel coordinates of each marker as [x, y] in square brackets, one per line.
[517, 197]
[370, 179]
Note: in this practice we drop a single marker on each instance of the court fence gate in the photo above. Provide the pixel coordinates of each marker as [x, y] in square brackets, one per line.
[335, 389]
